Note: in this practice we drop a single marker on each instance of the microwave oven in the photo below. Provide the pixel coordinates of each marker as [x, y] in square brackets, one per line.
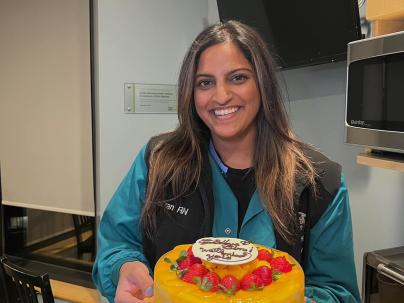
[374, 115]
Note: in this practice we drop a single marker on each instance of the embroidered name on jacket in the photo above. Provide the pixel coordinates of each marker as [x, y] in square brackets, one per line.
[179, 209]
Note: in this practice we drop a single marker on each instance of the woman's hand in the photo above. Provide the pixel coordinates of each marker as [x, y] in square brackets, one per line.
[134, 283]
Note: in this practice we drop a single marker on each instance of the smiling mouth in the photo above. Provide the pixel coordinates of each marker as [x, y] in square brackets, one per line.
[225, 111]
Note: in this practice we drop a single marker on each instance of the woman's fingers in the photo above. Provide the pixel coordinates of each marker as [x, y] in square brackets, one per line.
[134, 283]
[126, 297]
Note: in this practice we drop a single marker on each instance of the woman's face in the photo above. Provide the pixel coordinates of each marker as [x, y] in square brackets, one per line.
[226, 93]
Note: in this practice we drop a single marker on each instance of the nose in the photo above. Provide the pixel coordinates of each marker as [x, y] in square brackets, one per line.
[222, 93]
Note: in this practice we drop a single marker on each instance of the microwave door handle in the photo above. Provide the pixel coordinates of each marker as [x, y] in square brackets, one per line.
[383, 269]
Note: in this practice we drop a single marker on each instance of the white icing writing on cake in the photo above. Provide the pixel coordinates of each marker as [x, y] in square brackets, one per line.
[228, 251]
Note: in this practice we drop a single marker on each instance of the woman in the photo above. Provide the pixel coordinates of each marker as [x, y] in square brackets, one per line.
[232, 168]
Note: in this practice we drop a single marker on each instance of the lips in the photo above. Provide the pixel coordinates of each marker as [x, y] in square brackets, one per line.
[225, 111]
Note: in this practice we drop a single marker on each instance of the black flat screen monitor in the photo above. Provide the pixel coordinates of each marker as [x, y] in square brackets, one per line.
[299, 32]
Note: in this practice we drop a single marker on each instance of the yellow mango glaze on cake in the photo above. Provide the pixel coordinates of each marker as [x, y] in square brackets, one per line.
[168, 288]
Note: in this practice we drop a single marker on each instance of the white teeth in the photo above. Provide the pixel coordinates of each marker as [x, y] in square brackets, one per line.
[225, 111]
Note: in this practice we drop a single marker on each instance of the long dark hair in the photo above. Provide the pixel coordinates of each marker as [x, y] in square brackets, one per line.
[176, 163]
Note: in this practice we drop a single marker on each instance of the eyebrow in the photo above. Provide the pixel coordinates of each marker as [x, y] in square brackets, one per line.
[231, 72]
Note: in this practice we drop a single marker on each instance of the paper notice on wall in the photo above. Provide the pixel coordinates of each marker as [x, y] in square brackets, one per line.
[150, 98]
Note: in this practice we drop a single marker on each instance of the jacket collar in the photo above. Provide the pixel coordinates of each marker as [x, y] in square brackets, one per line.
[301, 181]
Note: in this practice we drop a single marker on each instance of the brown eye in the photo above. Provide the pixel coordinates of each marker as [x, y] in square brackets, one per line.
[204, 83]
[239, 78]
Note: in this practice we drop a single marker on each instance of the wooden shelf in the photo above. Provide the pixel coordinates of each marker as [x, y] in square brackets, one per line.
[390, 161]
[385, 10]
[383, 27]
[387, 16]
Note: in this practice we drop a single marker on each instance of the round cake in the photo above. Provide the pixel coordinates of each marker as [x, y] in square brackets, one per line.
[227, 270]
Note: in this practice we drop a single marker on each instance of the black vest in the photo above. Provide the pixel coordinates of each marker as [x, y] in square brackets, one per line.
[175, 228]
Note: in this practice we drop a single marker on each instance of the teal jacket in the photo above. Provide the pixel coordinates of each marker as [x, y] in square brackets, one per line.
[330, 273]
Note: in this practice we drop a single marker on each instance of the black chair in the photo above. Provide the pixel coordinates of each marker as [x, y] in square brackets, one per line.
[83, 224]
[22, 284]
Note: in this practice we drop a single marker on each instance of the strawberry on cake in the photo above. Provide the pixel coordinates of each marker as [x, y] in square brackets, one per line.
[227, 270]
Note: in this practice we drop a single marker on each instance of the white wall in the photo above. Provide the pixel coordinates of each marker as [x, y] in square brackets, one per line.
[142, 41]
